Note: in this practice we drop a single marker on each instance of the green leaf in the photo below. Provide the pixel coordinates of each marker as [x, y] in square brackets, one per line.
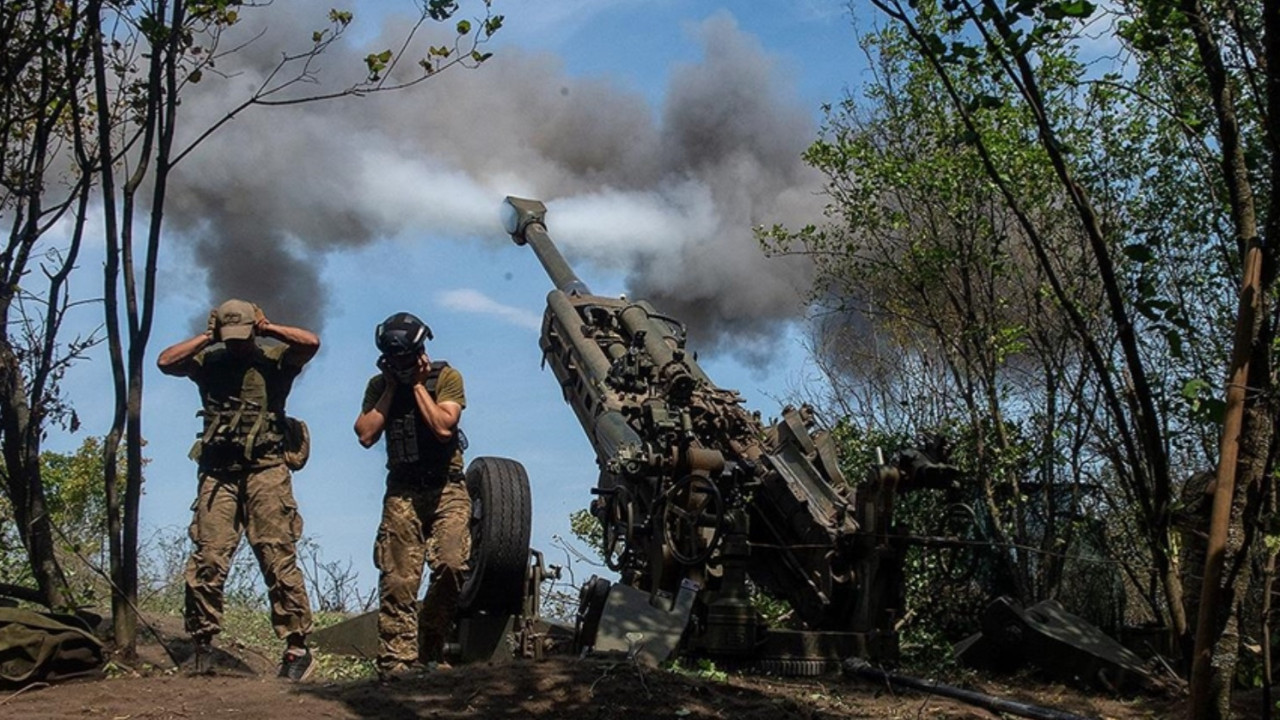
[440, 10]
[1193, 388]
[377, 62]
[464, 27]
[1078, 8]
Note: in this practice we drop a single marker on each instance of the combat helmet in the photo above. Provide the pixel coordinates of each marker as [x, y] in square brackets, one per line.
[401, 334]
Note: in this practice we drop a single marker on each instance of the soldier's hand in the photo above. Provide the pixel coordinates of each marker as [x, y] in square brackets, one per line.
[424, 368]
[388, 373]
[211, 327]
[260, 320]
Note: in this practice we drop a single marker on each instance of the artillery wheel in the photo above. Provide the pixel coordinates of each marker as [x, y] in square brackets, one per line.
[501, 522]
[690, 507]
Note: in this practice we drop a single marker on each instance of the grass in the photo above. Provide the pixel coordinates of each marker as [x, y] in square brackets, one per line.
[250, 628]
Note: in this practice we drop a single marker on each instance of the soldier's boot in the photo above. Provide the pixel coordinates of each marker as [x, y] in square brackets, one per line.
[435, 618]
[201, 660]
[297, 663]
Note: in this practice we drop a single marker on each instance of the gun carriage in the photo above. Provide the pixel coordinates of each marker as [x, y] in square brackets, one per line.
[701, 504]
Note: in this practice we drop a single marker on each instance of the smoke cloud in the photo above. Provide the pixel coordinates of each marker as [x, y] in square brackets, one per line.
[668, 196]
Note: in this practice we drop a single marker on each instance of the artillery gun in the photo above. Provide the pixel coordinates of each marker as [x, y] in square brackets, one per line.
[700, 503]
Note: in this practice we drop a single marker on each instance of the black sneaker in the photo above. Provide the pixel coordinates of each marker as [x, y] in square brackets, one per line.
[297, 664]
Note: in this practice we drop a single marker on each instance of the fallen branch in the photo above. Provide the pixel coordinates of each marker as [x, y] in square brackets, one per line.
[32, 686]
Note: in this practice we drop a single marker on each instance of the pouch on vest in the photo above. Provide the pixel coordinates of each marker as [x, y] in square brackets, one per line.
[236, 434]
[405, 432]
[402, 440]
[44, 646]
[297, 443]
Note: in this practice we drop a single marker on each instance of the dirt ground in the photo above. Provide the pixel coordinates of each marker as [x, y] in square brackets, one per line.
[560, 687]
[582, 689]
[557, 688]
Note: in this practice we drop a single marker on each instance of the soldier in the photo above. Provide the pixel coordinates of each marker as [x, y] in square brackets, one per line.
[426, 509]
[245, 484]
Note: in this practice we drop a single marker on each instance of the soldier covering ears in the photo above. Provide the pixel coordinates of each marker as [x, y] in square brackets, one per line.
[245, 483]
[416, 405]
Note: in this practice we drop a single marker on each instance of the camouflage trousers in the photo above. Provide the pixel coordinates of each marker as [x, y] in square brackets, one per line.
[420, 524]
[229, 505]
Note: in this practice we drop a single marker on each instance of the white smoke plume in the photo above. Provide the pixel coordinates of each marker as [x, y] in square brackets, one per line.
[669, 196]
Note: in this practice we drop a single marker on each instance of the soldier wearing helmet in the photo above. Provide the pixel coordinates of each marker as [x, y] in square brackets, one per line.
[245, 484]
[416, 404]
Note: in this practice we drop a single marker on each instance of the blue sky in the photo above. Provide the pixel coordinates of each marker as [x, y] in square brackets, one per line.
[422, 203]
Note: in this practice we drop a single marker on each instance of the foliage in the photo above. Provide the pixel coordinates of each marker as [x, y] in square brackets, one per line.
[1037, 256]
[46, 60]
[932, 317]
[73, 483]
[1028, 257]
[122, 71]
[248, 626]
[701, 668]
[927, 650]
[586, 528]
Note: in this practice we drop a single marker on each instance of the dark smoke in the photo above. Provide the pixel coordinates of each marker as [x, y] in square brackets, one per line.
[670, 202]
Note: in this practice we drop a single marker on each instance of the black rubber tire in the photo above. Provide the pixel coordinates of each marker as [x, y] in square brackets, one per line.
[501, 522]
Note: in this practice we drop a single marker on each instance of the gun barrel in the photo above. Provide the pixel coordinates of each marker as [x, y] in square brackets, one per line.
[525, 221]
[591, 359]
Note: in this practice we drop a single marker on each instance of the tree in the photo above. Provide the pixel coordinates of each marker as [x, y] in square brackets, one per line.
[1118, 204]
[77, 513]
[972, 304]
[930, 279]
[44, 76]
[1219, 102]
[96, 96]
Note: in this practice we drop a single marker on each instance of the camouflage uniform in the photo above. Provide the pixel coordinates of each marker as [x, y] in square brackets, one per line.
[425, 516]
[245, 487]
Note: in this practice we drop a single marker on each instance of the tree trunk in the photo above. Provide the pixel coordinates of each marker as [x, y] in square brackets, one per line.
[21, 449]
[1247, 432]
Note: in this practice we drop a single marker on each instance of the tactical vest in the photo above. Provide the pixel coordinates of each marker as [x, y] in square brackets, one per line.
[243, 412]
[413, 450]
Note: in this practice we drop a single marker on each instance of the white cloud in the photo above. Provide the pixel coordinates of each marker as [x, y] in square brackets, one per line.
[473, 301]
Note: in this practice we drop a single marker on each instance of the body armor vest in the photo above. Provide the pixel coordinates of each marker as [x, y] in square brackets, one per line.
[243, 412]
[412, 446]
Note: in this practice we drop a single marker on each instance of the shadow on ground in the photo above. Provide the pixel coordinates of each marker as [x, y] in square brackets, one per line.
[591, 689]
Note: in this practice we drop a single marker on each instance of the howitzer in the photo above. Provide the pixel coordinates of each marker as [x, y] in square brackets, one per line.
[695, 493]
